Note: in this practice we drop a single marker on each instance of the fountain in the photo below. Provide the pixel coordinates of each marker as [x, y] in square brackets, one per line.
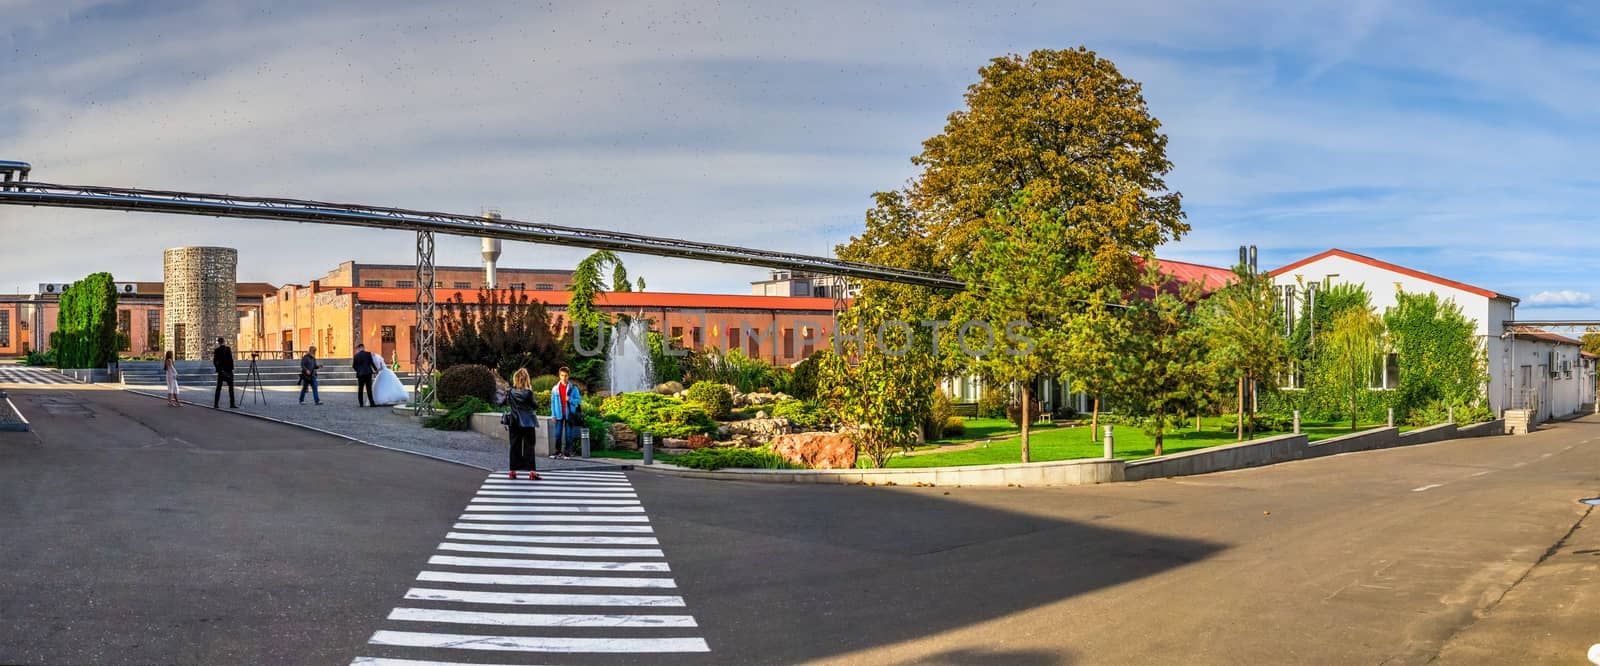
[628, 364]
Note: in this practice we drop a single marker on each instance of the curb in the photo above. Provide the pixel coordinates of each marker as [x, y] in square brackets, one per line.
[1055, 473]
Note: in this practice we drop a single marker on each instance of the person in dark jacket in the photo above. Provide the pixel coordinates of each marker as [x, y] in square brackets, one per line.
[566, 409]
[523, 421]
[308, 376]
[365, 368]
[222, 360]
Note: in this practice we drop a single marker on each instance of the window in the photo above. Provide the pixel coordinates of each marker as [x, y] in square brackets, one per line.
[519, 285]
[438, 284]
[788, 343]
[733, 338]
[405, 284]
[462, 285]
[694, 337]
[387, 334]
[755, 343]
[1527, 377]
[1386, 372]
[125, 327]
[372, 283]
[677, 336]
[152, 329]
[5, 328]
[544, 287]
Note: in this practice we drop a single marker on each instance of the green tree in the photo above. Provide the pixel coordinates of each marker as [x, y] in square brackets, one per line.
[86, 323]
[1440, 358]
[591, 325]
[1243, 328]
[1068, 127]
[1350, 347]
[881, 397]
[1095, 339]
[1020, 297]
[1591, 340]
[1162, 370]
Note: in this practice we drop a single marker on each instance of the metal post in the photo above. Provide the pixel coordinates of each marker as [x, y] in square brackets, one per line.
[583, 437]
[1296, 421]
[426, 342]
[1391, 417]
[1110, 445]
[1450, 412]
[649, 449]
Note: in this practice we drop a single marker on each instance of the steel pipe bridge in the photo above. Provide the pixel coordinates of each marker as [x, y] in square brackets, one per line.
[17, 190]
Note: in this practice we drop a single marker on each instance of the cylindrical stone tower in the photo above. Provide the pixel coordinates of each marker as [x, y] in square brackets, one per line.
[200, 302]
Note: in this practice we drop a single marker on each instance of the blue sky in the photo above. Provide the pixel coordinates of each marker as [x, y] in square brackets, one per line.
[1450, 137]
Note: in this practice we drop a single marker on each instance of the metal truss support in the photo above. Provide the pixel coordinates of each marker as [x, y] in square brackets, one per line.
[427, 341]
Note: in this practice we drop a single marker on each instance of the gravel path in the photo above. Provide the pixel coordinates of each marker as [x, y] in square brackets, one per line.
[381, 427]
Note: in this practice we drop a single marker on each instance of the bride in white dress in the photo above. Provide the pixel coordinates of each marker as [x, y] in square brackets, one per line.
[386, 388]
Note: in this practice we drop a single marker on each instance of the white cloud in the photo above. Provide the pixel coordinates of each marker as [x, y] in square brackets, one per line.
[1565, 298]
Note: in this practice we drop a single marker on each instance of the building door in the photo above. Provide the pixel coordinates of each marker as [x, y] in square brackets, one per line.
[179, 336]
[287, 345]
[386, 347]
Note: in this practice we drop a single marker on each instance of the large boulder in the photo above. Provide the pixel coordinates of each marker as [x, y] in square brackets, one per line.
[817, 450]
[624, 438]
[759, 429]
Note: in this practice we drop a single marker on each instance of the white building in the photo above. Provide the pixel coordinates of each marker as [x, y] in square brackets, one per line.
[1547, 375]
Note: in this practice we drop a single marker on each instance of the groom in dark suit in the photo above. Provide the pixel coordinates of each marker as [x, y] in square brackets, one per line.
[365, 367]
[222, 361]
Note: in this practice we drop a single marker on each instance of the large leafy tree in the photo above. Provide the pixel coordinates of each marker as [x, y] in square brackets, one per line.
[1440, 358]
[1068, 127]
[1162, 370]
[86, 323]
[1243, 328]
[1350, 347]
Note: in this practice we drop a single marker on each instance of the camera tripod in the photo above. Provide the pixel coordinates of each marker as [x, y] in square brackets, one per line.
[253, 375]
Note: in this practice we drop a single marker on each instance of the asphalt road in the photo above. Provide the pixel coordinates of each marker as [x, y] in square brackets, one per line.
[137, 534]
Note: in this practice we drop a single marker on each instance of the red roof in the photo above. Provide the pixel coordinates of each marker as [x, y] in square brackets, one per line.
[1397, 269]
[644, 300]
[1210, 278]
[1541, 334]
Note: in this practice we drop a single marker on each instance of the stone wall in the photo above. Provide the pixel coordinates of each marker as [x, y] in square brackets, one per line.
[200, 295]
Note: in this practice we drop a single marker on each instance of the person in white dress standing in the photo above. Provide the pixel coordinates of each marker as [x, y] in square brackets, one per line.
[387, 389]
[171, 368]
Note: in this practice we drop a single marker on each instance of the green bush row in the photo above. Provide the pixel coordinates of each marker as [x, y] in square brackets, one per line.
[720, 458]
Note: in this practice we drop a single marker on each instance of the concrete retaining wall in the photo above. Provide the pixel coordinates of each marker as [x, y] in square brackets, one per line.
[1364, 440]
[1218, 458]
[1485, 429]
[488, 424]
[1059, 473]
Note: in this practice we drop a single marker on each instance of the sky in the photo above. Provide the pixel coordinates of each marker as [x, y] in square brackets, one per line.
[1449, 137]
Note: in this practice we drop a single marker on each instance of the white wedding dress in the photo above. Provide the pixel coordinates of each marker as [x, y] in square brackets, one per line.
[386, 388]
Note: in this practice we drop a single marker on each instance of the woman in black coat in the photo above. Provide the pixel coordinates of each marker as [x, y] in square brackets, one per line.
[523, 421]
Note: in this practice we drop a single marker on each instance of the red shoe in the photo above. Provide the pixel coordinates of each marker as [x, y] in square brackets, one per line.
[513, 475]
[533, 476]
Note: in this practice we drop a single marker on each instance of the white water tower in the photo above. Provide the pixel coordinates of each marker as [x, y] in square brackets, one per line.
[491, 250]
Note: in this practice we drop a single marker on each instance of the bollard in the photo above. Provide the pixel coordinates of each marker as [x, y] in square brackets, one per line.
[1110, 447]
[1451, 414]
[583, 437]
[1296, 421]
[1391, 417]
[649, 449]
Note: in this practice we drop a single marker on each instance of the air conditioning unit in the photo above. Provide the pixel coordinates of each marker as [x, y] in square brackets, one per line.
[127, 287]
[53, 287]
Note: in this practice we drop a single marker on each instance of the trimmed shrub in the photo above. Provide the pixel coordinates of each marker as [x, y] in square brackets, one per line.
[700, 441]
[658, 414]
[955, 426]
[995, 399]
[941, 409]
[460, 381]
[721, 458]
[543, 383]
[460, 414]
[714, 397]
[807, 414]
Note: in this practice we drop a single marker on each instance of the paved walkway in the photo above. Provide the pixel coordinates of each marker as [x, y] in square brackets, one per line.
[29, 375]
[381, 427]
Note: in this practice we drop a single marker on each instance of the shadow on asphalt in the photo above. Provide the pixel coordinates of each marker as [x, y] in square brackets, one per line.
[787, 573]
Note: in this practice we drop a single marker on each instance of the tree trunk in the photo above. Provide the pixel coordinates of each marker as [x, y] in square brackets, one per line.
[1238, 429]
[1161, 427]
[1094, 420]
[1353, 398]
[1197, 422]
[1026, 396]
[1250, 386]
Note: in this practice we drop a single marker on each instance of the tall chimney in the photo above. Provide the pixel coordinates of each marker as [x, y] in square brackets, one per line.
[491, 250]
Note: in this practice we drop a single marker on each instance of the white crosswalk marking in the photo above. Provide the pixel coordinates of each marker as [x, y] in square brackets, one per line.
[25, 374]
[558, 543]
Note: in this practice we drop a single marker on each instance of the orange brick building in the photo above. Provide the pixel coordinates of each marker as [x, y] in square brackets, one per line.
[27, 320]
[336, 318]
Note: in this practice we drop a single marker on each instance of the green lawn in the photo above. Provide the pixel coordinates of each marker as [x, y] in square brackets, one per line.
[1061, 443]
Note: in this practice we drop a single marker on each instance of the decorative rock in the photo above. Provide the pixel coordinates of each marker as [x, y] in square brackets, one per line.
[623, 437]
[761, 414]
[759, 429]
[817, 450]
[674, 443]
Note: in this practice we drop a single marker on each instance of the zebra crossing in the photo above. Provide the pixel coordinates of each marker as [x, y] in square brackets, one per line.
[27, 374]
[575, 549]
